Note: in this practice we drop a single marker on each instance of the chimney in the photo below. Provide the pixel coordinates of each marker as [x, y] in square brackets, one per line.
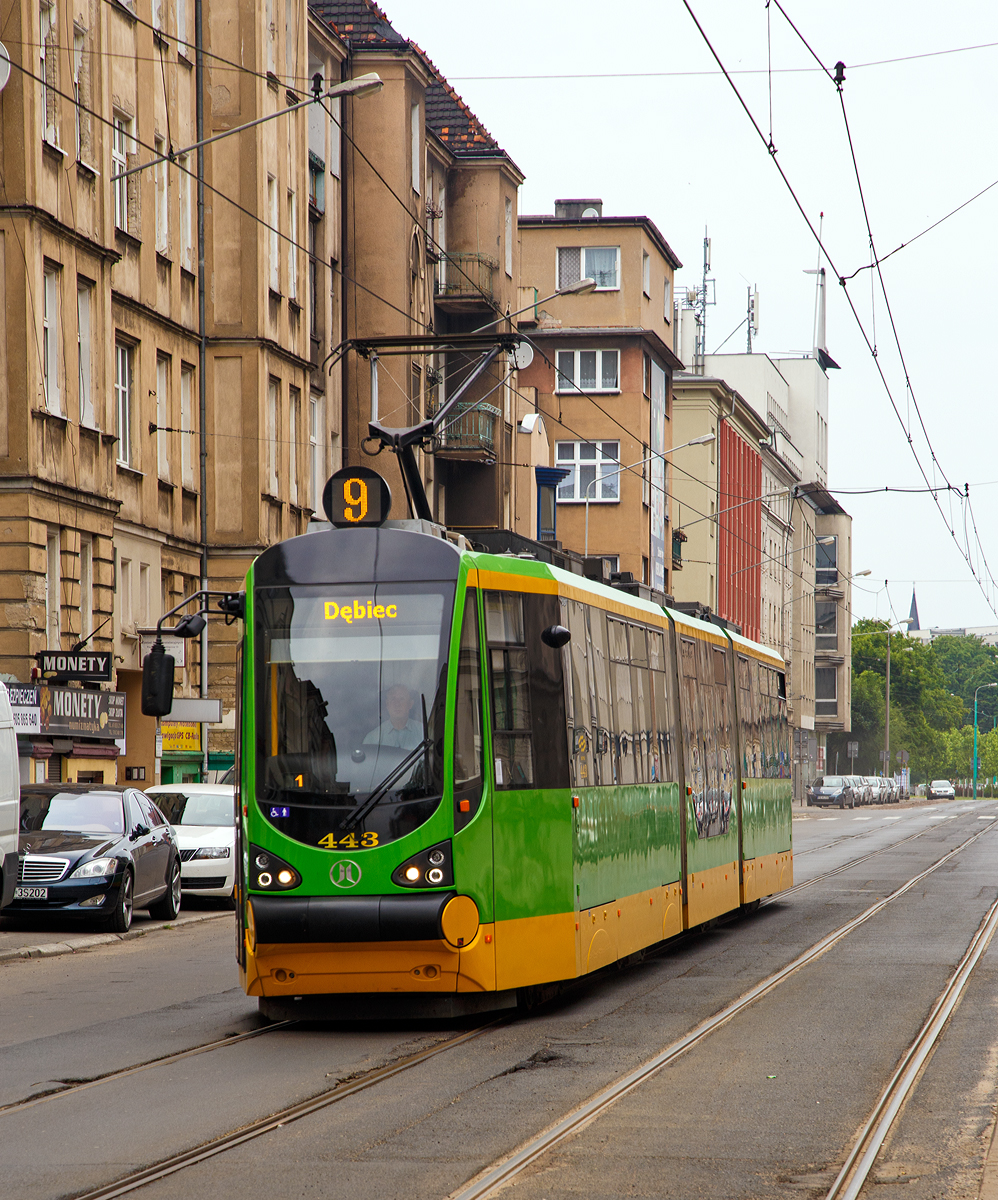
[578, 210]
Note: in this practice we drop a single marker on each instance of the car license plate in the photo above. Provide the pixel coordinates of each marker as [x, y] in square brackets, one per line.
[30, 893]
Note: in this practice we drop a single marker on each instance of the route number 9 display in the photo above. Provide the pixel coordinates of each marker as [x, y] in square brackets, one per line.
[356, 496]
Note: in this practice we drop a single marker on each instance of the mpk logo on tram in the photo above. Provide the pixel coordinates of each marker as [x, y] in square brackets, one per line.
[345, 873]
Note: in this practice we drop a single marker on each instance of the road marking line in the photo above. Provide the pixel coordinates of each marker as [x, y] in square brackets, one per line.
[892, 818]
[991, 818]
[862, 818]
[828, 818]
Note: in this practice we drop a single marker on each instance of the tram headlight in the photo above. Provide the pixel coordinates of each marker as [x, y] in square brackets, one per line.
[432, 867]
[268, 873]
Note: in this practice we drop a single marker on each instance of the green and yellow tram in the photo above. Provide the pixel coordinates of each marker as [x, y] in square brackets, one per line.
[464, 776]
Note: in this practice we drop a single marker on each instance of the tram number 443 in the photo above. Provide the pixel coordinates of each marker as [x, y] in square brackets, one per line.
[349, 842]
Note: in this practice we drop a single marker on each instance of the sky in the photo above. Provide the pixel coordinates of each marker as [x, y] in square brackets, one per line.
[656, 129]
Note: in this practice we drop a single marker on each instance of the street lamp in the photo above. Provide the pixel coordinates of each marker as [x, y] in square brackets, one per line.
[976, 690]
[702, 440]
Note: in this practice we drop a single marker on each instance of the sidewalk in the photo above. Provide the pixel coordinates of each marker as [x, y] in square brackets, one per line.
[17, 944]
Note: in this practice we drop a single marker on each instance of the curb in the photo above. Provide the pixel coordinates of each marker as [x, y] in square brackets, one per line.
[53, 949]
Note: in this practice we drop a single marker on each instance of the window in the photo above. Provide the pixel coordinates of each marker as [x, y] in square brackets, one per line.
[512, 740]
[187, 443]
[646, 375]
[157, 14]
[86, 585]
[826, 558]
[273, 389]
[270, 37]
[53, 587]
[509, 237]
[275, 259]
[48, 59]
[316, 451]
[316, 183]
[185, 184]
[294, 410]
[162, 200]
[123, 402]
[163, 416]
[667, 304]
[84, 294]
[825, 694]
[612, 563]
[415, 124]
[313, 280]
[144, 593]
[468, 710]
[334, 136]
[646, 273]
[826, 625]
[81, 94]
[50, 338]
[292, 246]
[712, 522]
[645, 494]
[595, 471]
[121, 147]
[290, 43]
[125, 606]
[601, 263]
[588, 371]
[182, 26]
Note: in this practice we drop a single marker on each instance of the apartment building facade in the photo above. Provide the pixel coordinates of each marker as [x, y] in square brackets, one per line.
[143, 449]
[602, 373]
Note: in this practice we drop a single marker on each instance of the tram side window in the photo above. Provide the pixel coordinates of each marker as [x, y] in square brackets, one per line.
[599, 665]
[623, 705]
[691, 721]
[512, 741]
[580, 698]
[468, 710]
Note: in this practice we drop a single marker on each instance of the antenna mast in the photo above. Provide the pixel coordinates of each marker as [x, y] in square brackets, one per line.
[703, 296]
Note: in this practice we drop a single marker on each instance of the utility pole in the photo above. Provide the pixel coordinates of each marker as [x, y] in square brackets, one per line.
[887, 706]
[202, 357]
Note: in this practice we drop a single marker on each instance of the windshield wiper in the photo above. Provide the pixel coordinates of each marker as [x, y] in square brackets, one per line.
[385, 785]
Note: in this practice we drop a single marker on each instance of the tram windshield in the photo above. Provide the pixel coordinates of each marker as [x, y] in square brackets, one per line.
[350, 703]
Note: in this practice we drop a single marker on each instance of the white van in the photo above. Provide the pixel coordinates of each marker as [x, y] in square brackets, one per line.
[10, 800]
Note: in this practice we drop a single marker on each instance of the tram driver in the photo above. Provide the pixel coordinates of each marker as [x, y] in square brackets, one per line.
[400, 729]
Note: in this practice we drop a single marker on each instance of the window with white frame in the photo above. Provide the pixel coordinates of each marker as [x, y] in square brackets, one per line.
[125, 598]
[123, 356]
[187, 443]
[588, 371]
[273, 218]
[163, 416]
[81, 94]
[157, 14]
[53, 589]
[292, 246]
[181, 11]
[84, 297]
[415, 127]
[509, 237]
[121, 147]
[601, 263]
[48, 60]
[667, 303]
[826, 560]
[826, 613]
[646, 273]
[612, 562]
[50, 337]
[162, 199]
[294, 423]
[144, 604]
[334, 136]
[826, 702]
[270, 36]
[316, 450]
[273, 394]
[184, 186]
[86, 585]
[595, 468]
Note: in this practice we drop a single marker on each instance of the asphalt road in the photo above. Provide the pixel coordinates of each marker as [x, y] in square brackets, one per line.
[765, 1106]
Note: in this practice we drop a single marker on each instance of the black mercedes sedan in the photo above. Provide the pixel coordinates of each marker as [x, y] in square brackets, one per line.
[95, 852]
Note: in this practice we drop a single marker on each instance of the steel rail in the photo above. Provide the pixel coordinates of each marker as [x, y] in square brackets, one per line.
[72, 1089]
[284, 1116]
[859, 1162]
[507, 1168]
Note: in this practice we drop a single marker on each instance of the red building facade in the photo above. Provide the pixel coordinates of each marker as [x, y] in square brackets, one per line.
[739, 526]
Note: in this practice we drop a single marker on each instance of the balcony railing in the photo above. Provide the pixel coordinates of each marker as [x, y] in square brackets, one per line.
[471, 427]
[466, 276]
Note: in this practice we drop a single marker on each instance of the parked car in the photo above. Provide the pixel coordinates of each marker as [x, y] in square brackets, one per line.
[203, 818]
[95, 852]
[940, 789]
[9, 792]
[828, 790]
[876, 787]
[859, 787]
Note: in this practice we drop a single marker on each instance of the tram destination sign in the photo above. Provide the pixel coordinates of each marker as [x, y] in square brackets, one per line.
[82, 666]
[355, 496]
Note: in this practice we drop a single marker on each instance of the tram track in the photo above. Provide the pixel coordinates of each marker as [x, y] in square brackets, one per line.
[507, 1168]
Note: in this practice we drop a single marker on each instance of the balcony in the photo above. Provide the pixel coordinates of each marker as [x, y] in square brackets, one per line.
[470, 432]
[465, 282]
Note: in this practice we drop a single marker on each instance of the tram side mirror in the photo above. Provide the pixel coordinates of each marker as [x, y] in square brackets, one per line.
[157, 682]
[556, 636]
[190, 627]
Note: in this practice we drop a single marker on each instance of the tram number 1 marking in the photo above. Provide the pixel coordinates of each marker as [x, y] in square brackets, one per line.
[300, 780]
[350, 842]
[358, 501]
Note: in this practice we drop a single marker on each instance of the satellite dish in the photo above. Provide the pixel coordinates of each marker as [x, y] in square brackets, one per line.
[4, 66]
[522, 356]
[589, 212]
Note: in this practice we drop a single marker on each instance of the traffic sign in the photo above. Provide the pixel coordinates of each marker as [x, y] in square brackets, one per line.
[884, 756]
[902, 756]
[852, 749]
